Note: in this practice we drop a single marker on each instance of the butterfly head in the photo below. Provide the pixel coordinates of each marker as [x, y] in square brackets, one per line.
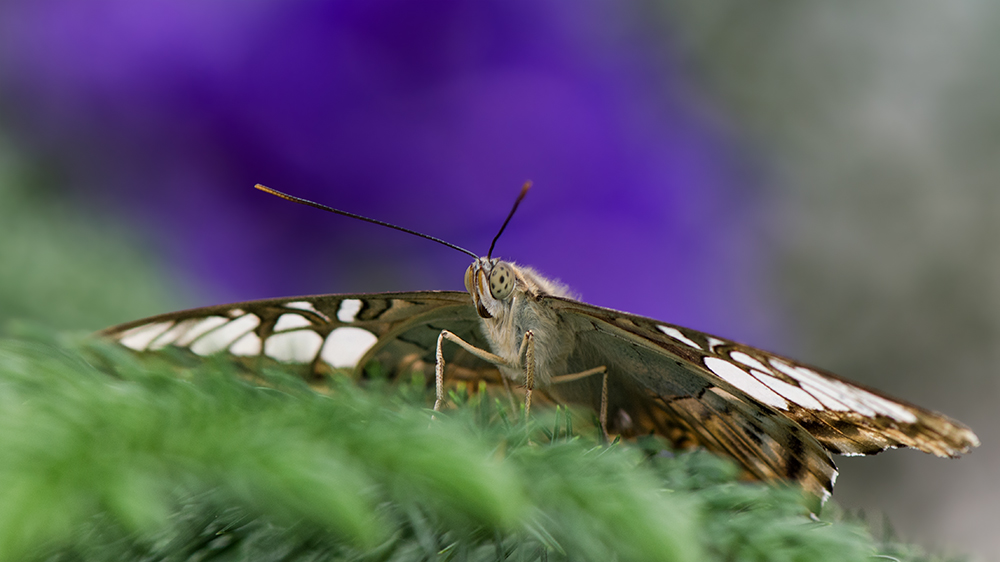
[491, 282]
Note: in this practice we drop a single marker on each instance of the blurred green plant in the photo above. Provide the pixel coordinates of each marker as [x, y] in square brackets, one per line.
[105, 456]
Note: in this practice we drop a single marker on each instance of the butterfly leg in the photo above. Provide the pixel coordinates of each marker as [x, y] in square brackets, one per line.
[509, 392]
[439, 364]
[603, 414]
[528, 349]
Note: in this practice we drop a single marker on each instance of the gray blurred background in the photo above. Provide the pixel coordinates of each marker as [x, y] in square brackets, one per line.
[880, 123]
[820, 180]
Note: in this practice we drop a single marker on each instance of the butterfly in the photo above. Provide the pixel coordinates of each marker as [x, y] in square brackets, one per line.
[777, 418]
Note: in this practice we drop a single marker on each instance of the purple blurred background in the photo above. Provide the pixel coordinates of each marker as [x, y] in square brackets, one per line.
[429, 115]
[816, 179]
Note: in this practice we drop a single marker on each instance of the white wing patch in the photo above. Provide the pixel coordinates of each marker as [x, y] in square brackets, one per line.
[677, 335]
[306, 305]
[202, 326]
[789, 391]
[857, 399]
[291, 321]
[300, 346]
[346, 346]
[766, 376]
[223, 336]
[891, 409]
[741, 357]
[348, 310]
[816, 391]
[302, 305]
[140, 337]
[841, 392]
[247, 346]
[743, 381]
[171, 335]
[715, 342]
[293, 338]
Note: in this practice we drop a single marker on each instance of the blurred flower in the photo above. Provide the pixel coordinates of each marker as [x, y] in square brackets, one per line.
[427, 114]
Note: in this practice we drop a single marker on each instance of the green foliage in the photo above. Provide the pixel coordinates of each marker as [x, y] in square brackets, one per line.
[106, 457]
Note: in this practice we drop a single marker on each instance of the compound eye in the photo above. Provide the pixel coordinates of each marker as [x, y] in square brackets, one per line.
[468, 279]
[501, 281]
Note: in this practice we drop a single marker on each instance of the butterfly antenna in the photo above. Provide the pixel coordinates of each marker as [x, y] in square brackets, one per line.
[294, 199]
[520, 196]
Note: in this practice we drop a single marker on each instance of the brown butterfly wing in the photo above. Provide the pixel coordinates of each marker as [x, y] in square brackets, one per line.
[778, 418]
[319, 334]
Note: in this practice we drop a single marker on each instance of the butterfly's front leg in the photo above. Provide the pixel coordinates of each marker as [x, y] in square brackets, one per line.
[439, 363]
[527, 350]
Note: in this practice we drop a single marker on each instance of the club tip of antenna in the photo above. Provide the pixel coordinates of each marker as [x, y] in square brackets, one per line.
[277, 193]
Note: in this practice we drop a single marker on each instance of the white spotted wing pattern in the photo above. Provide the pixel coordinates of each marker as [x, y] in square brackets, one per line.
[777, 418]
[319, 333]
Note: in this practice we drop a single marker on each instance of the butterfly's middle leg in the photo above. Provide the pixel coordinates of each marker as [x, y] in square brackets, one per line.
[602, 370]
